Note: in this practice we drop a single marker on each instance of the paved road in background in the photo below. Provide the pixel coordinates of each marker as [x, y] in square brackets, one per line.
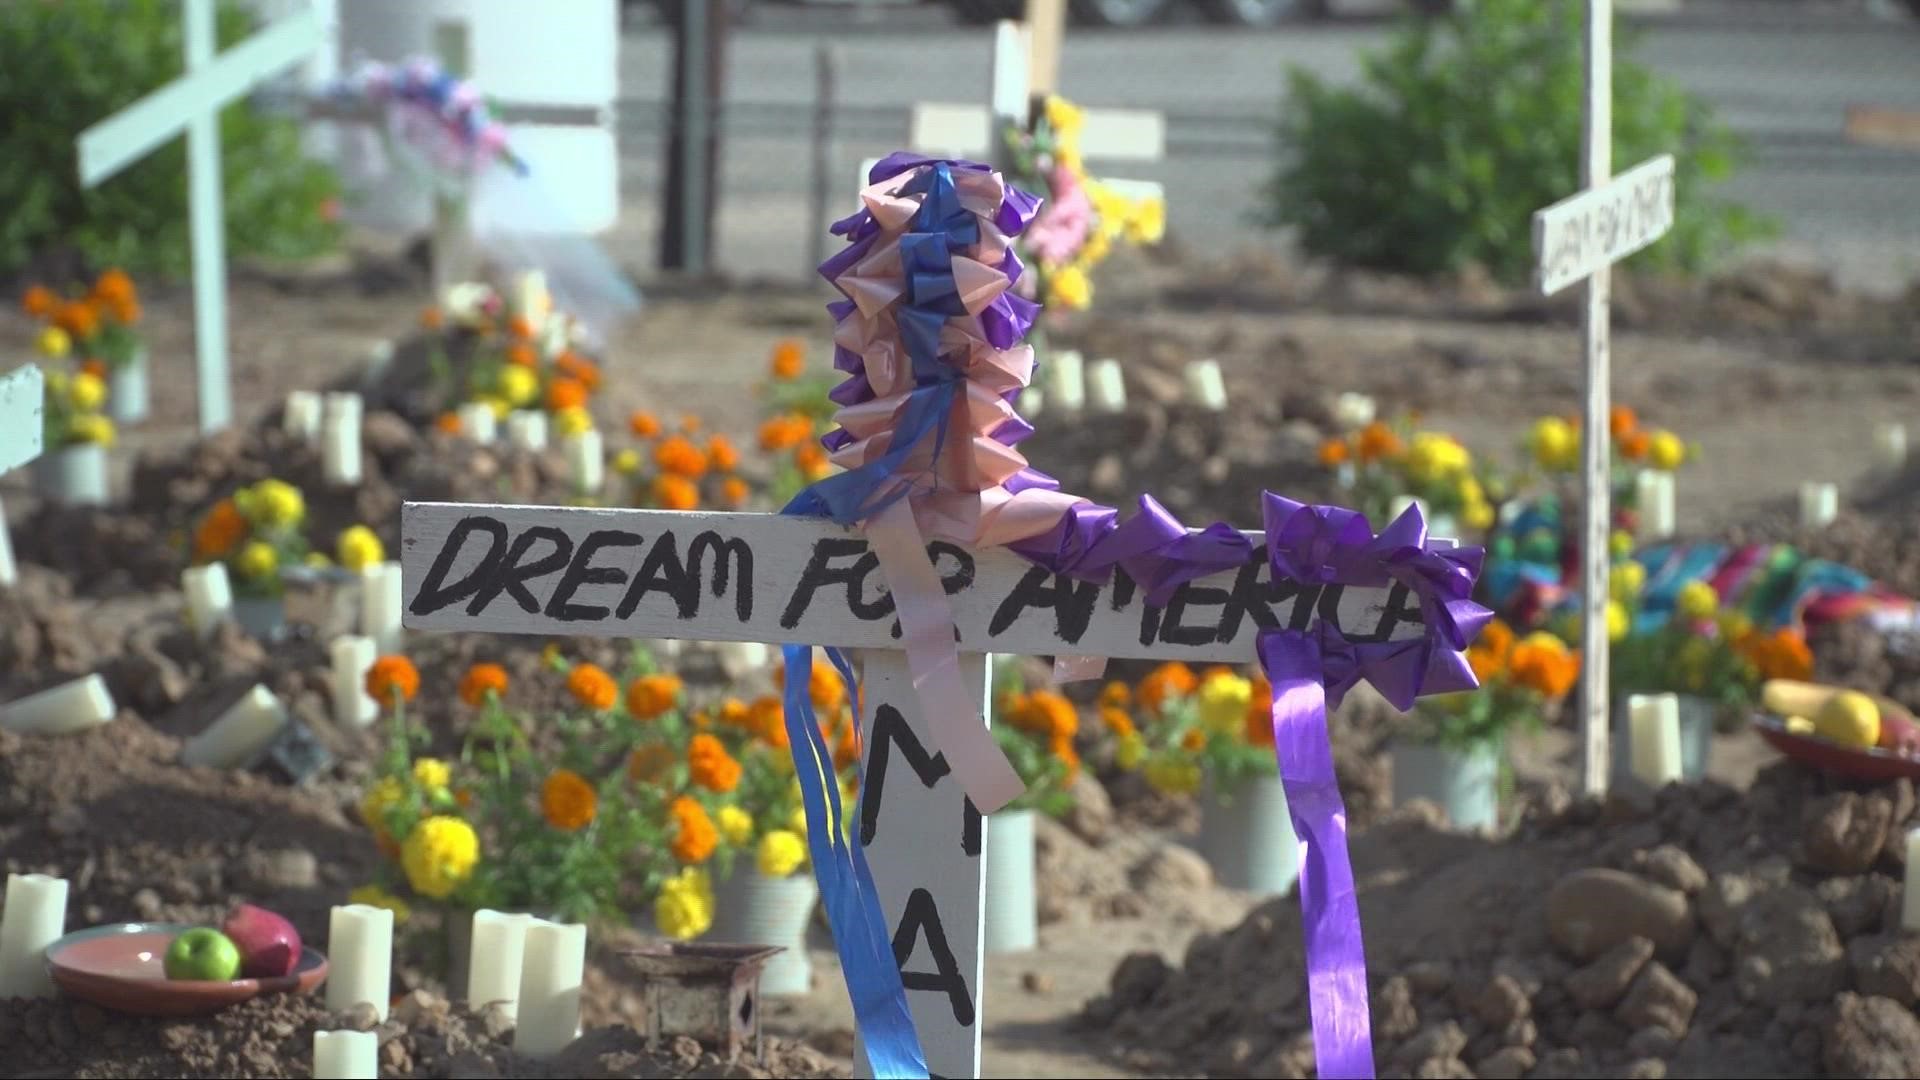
[1781, 75]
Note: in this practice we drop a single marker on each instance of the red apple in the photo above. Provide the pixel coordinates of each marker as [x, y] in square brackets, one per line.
[269, 945]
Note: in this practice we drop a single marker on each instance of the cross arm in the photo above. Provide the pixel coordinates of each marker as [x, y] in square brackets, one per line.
[22, 401]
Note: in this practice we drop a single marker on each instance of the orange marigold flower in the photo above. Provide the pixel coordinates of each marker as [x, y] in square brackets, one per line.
[1051, 713]
[810, 457]
[565, 393]
[78, 319]
[710, 766]
[734, 492]
[1170, 680]
[481, 680]
[767, 717]
[677, 455]
[1334, 452]
[1117, 721]
[447, 423]
[1377, 441]
[567, 801]
[519, 329]
[1063, 751]
[789, 358]
[1782, 654]
[1487, 656]
[694, 836]
[652, 696]
[781, 432]
[392, 678]
[721, 455]
[94, 366]
[124, 312]
[220, 532]
[1633, 445]
[675, 493]
[114, 286]
[592, 687]
[1194, 741]
[643, 423]
[846, 746]
[827, 689]
[1621, 420]
[521, 354]
[432, 318]
[1116, 694]
[579, 367]
[39, 301]
[649, 763]
[1543, 663]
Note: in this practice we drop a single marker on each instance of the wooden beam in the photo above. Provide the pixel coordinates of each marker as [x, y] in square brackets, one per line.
[1874, 125]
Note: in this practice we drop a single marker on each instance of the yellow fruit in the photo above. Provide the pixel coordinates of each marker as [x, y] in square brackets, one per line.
[1849, 718]
[1799, 725]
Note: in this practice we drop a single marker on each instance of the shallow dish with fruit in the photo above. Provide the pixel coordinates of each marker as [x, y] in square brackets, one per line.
[124, 966]
[1860, 736]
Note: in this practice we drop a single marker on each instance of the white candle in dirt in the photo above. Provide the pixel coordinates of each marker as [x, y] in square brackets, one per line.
[34, 918]
[532, 301]
[359, 958]
[1206, 387]
[1653, 495]
[1655, 737]
[1890, 445]
[301, 417]
[62, 710]
[527, 429]
[1910, 889]
[1066, 381]
[1399, 506]
[9, 573]
[209, 597]
[346, 1055]
[241, 734]
[493, 962]
[1106, 389]
[1819, 505]
[353, 655]
[552, 967]
[340, 440]
[477, 422]
[586, 462]
[1032, 401]
[380, 604]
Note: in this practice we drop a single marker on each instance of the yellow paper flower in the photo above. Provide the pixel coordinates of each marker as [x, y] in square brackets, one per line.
[781, 853]
[517, 385]
[1069, 287]
[432, 773]
[684, 908]
[359, 547]
[439, 855]
[1555, 444]
[87, 391]
[1064, 117]
[1617, 621]
[575, 420]
[735, 824]
[91, 428]
[257, 561]
[375, 896]
[53, 343]
[1147, 224]
[1223, 703]
[1697, 601]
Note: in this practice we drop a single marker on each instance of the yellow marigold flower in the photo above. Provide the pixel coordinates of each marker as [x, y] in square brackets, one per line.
[627, 462]
[1697, 601]
[375, 896]
[1069, 288]
[1735, 626]
[1478, 515]
[575, 420]
[1223, 702]
[54, 343]
[432, 773]
[382, 796]
[358, 548]
[87, 392]
[1555, 444]
[1129, 751]
[500, 406]
[257, 561]
[517, 385]
[1620, 544]
[1618, 623]
[272, 503]
[684, 908]
[1174, 776]
[91, 428]
[797, 821]
[781, 853]
[1064, 117]
[1625, 580]
[735, 824]
[1666, 451]
[1434, 458]
[439, 855]
[1148, 222]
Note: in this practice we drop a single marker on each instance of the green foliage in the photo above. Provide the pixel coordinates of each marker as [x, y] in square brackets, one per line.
[67, 65]
[1464, 126]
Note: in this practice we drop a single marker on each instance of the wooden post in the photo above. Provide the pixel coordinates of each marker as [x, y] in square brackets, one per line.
[826, 63]
[452, 256]
[1046, 29]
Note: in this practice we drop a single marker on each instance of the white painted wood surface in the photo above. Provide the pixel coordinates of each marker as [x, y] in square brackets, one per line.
[960, 130]
[669, 574]
[1582, 234]
[192, 104]
[23, 402]
[924, 843]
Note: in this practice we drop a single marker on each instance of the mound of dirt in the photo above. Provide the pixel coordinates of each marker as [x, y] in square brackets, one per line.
[1700, 931]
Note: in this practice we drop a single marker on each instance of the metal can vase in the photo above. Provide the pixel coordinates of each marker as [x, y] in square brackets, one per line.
[73, 475]
[264, 617]
[1246, 834]
[1013, 910]
[127, 393]
[1463, 783]
[751, 908]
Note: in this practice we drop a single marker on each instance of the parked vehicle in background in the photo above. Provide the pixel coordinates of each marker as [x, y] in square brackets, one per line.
[1129, 13]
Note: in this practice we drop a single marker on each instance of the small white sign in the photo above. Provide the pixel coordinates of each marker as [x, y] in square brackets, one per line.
[23, 400]
[1596, 228]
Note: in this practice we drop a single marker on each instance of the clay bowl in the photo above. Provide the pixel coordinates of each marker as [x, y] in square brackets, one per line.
[1872, 765]
[122, 967]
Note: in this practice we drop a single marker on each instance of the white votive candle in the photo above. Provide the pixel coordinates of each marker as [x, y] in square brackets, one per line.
[1106, 390]
[301, 418]
[72, 706]
[1655, 737]
[527, 429]
[34, 918]
[1399, 506]
[1910, 889]
[1819, 505]
[1206, 387]
[586, 462]
[9, 573]
[478, 423]
[1032, 401]
[360, 958]
[552, 968]
[209, 597]
[493, 963]
[1890, 445]
[340, 440]
[240, 735]
[1066, 381]
[346, 1055]
[1653, 493]
[353, 655]
[380, 602]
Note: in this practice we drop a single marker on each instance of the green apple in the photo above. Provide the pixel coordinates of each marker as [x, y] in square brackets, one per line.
[203, 954]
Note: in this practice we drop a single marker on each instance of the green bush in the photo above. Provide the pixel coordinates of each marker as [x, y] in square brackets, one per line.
[1466, 124]
[67, 64]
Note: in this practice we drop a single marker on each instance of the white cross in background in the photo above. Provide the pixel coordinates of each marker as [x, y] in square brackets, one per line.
[192, 104]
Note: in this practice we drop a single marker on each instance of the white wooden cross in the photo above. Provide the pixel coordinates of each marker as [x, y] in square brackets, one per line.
[192, 104]
[1579, 239]
[769, 578]
[23, 402]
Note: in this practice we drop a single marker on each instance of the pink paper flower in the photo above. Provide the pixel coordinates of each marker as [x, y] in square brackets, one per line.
[1057, 235]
